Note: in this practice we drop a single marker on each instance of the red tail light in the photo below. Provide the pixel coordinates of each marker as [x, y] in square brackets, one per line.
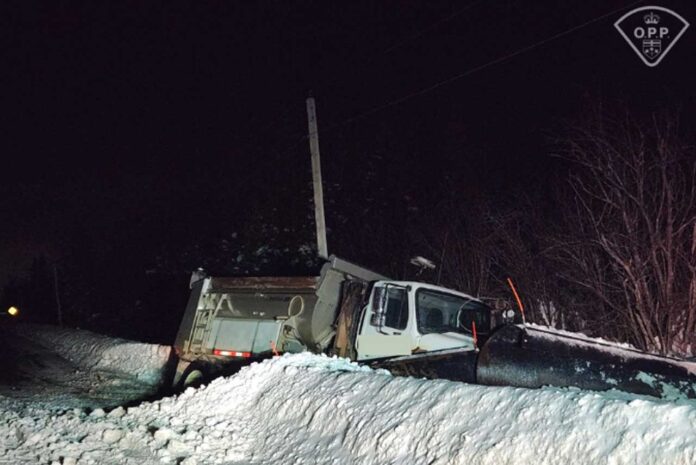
[231, 353]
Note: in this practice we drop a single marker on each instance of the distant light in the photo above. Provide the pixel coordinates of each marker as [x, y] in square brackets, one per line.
[13, 311]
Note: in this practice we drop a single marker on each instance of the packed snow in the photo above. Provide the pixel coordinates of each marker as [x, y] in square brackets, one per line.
[63, 368]
[580, 336]
[93, 351]
[308, 409]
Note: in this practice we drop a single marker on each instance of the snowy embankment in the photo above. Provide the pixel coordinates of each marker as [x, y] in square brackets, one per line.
[317, 410]
[54, 368]
[91, 351]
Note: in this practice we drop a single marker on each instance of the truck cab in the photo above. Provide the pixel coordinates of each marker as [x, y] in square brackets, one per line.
[404, 318]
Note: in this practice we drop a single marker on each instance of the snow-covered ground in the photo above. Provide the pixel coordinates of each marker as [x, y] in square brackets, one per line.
[307, 409]
[63, 368]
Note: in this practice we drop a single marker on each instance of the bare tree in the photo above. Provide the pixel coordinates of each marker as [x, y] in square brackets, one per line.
[631, 238]
[460, 239]
[478, 246]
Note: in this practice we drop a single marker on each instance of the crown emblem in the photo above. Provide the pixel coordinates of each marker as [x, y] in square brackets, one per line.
[651, 18]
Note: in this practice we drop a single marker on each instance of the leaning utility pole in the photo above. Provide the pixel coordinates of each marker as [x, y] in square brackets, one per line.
[322, 247]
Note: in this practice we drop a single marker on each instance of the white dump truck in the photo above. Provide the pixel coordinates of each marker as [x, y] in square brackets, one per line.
[410, 328]
[347, 310]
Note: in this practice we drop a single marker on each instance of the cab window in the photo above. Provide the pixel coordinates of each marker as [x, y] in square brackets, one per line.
[396, 313]
[439, 312]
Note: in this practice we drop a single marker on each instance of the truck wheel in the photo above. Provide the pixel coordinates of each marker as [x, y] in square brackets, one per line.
[193, 376]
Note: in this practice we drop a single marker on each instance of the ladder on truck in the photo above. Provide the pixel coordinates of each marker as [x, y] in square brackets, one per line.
[203, 321]
[202, 326]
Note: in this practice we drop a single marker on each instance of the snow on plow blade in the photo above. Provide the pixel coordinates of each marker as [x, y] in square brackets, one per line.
[531, 357]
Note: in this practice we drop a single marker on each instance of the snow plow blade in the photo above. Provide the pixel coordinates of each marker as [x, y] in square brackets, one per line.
[532, 357]
[454, 365]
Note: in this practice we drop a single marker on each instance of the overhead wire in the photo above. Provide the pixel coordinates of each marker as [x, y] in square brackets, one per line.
[303, 136]
[469, 72]
[431, 27]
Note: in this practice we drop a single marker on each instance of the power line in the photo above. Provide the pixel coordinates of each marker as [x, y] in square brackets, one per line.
[368, 60]
[456, 77]
[431, 27]
[477, 68]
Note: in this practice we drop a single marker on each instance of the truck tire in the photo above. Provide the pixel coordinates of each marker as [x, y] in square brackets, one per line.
[194, 376]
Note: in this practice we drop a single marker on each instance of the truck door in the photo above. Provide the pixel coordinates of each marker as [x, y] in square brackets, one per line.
[384, 331]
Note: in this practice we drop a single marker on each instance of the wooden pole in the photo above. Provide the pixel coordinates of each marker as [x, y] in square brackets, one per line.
[320, 221]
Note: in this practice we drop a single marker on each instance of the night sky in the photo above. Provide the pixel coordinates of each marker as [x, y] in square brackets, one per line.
[170, 122]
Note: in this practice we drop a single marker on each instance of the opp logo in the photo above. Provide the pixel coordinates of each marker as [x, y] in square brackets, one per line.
[651, 31]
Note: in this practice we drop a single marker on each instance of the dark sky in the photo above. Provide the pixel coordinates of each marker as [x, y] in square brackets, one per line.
[158, 116]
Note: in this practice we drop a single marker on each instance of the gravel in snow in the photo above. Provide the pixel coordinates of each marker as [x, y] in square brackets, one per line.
[308, 409]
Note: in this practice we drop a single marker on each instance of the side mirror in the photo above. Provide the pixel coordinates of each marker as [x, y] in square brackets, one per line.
[379, 300]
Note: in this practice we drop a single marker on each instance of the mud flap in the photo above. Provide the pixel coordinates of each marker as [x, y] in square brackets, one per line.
[533, 357]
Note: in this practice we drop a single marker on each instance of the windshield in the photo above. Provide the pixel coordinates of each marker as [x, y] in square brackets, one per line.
[474, 312]
[438, 312]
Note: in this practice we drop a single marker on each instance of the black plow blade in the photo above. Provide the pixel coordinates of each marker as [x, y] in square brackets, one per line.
[533, 357]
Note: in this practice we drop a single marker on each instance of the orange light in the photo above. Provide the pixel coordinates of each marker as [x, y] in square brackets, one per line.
[13, 311]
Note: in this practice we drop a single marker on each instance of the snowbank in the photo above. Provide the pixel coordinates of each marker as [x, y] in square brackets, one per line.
[91, 351]
[50, 368]
[307, 409]
[582, 336]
